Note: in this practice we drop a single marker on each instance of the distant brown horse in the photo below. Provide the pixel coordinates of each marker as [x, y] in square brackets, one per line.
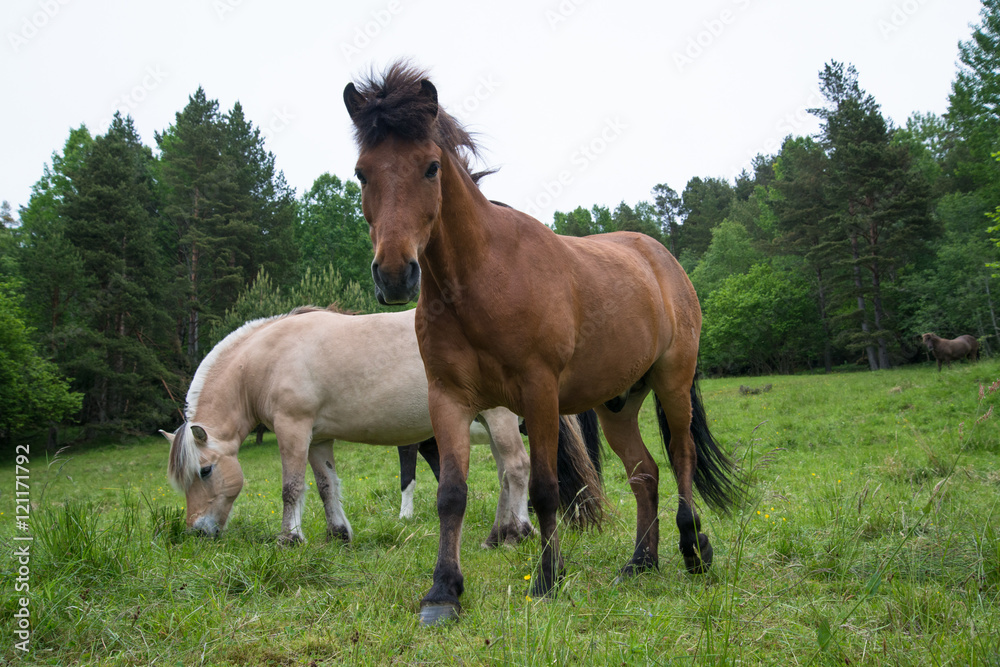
[512, 315]
[950, 350]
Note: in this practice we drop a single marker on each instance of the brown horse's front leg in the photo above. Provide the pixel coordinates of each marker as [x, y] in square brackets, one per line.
[542, 422]
[451, 429]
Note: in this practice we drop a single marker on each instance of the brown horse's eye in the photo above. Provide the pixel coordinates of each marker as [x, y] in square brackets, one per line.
[433, 169]
[361, 177]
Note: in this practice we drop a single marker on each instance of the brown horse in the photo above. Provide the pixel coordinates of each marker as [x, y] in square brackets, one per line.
[948, 350]
[512, 315]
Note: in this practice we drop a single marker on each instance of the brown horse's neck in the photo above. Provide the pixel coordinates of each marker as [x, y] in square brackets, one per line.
[459, 245]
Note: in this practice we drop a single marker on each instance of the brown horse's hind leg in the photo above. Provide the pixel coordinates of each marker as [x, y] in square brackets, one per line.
[675, 402]
[622, 432]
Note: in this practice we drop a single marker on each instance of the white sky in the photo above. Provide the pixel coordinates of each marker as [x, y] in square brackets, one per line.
[658, 91]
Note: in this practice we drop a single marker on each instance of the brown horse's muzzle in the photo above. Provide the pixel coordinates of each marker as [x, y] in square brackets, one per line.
[394, 288]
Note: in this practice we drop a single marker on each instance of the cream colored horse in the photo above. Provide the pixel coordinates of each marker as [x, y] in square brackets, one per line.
[315, 376]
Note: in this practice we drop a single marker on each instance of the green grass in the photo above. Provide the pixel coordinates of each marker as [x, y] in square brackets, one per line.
[873, 537]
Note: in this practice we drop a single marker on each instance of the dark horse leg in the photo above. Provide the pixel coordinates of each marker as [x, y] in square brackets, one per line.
[408, 471]
[622, 432]
[429, 450]
[407, 478]
[697, 460]
[542, 419]
[451, 423]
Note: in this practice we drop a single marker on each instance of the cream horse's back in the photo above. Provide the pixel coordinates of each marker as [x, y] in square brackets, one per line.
[314, 377]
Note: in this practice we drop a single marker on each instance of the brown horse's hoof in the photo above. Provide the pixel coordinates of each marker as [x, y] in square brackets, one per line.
[701, 560]
[439, 613]
[634, 569]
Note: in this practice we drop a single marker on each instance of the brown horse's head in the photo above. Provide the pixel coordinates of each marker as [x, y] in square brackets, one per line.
[208, 474]
[406, 142]
[929, 339]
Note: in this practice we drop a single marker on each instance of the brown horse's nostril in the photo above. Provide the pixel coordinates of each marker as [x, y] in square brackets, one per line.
[413, 274]
[399, 288]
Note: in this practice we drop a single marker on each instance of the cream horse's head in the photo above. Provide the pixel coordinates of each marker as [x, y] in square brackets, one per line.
[208, 473]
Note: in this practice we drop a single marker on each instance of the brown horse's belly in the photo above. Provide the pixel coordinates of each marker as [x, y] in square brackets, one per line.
[591, 380]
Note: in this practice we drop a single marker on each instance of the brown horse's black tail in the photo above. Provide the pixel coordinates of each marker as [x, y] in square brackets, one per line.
[581, 493]
[715, 475]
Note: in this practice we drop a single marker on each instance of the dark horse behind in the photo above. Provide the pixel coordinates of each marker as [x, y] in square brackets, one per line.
[947, 351]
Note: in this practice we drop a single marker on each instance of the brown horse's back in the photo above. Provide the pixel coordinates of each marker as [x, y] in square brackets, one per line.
[624, 287]
[973, 346]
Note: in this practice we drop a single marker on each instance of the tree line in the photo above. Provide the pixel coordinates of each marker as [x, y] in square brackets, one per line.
[844, 247]
[127, 264]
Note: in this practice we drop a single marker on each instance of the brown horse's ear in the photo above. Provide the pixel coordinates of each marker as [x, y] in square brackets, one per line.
[352, 99]
[199, 434]
[168, 436]
[427, 89]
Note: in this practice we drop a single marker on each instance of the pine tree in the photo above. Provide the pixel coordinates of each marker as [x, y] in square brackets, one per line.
[111, 221]
[193, 176]
[50, 266]
[798, 198]
[226, 214]
[880, 203]
[974, 106]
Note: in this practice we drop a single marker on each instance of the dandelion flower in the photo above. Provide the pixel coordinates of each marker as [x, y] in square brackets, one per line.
[527, 577]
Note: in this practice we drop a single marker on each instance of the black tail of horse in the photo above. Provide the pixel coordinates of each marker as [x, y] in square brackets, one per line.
[715, 475]
[581, 493]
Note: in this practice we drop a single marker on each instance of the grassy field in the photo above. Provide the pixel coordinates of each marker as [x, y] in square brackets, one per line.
[872, 538]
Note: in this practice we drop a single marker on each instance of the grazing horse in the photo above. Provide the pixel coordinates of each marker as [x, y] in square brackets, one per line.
[315, 376]
[948, 350]
[510, 314]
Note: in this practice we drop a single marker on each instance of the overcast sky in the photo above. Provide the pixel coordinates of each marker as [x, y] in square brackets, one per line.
[578, 102]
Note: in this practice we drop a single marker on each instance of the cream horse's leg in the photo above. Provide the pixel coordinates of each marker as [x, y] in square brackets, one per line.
[512, 523]
[293, 443]
[328, 484]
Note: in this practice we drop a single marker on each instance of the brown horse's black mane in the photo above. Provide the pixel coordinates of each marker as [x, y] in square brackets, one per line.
[402, 101]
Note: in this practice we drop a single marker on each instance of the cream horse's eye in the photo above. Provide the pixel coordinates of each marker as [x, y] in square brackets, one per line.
[205, 472]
